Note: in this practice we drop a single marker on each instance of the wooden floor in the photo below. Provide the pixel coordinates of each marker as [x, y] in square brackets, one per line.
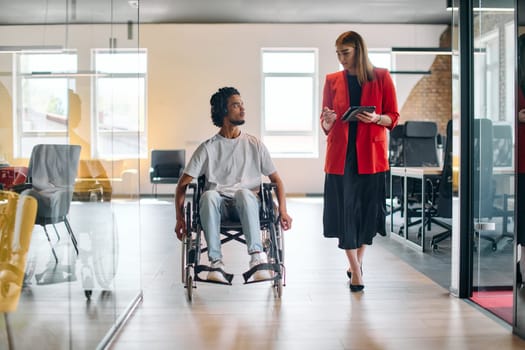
[399, 309]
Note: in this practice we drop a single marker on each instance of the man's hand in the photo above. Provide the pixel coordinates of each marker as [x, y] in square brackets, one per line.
[180, 228]
[180, 192]
[286, 221]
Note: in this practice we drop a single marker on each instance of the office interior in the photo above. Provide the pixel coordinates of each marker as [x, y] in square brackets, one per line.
[462, 70]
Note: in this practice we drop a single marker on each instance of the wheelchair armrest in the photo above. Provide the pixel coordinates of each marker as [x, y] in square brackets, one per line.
[193, 190]
[269, 185]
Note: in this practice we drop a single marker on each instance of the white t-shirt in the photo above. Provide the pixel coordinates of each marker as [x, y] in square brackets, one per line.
[231, 164]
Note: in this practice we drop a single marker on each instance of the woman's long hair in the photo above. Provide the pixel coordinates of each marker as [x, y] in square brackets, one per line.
[364, 68]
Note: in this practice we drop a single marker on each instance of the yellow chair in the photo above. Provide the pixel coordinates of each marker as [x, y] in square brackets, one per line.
[17, 219]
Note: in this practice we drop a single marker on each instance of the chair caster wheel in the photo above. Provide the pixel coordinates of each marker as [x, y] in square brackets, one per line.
[88, 293]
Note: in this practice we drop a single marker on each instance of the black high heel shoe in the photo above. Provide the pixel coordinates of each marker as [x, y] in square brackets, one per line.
[356, 287]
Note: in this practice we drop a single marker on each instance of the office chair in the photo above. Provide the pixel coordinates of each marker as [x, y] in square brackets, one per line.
[503, 151]
[395, 146]
[166, 167]
[420, 144]
[419, 150]
[395, 159]
[17, 219]
[502, 145]
[51, 173]
[442, 206]
[484, 193]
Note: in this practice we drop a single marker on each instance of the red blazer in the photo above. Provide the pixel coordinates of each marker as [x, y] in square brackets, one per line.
[371, 139]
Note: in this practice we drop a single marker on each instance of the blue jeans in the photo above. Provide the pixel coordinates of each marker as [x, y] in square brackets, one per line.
[244, 206]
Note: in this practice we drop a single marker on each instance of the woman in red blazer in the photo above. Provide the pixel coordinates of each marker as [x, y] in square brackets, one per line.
[357, 151]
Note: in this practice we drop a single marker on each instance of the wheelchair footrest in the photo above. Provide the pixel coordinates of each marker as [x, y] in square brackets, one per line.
[200, 268]
[270, 267]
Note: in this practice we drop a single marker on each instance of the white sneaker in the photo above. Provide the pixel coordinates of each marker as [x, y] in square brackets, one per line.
[217, 276]
[257, 259]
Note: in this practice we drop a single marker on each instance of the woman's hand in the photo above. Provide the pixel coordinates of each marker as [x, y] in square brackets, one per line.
[521, 116]
[328, 117]
[369, 117]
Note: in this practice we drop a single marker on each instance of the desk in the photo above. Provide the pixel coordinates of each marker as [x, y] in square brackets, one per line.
[421, 173]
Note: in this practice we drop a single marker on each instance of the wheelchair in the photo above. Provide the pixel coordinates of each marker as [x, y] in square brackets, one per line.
[193, 245]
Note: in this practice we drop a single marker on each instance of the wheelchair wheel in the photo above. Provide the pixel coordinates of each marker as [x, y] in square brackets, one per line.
[277, 256]
[189, 285]
[279, 243]
[186, 244]
[278, 286]
[188, 255]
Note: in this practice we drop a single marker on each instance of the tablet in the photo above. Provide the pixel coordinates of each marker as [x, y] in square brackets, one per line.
[352, 111]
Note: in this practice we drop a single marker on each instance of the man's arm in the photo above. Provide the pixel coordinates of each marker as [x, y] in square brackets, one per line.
[180, 195]
[286, 220]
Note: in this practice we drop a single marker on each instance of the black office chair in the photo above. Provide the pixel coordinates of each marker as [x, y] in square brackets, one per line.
[420, 144]
[503, 151]
[484, 194]
[395, 159]
[442, 206]
[419, 150]
[395, 151]
[51, 178]
[166, 167]
[502, 145]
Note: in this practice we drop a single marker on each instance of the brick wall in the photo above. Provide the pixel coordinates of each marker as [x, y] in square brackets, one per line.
[431, 97]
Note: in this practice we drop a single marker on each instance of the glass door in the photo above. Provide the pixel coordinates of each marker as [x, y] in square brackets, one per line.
[75, 76]
[492, 157]
[519, 325]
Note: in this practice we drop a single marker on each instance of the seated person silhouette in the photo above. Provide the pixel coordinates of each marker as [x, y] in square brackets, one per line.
[232, 163]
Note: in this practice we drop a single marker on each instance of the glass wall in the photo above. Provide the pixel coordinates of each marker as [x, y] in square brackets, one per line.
[492, 150]
[485, 124]
[519, 324]
[68, 81]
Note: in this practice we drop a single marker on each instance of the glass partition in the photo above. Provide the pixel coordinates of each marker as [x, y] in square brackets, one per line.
[74, 82]
[519, 324]
[492, 151]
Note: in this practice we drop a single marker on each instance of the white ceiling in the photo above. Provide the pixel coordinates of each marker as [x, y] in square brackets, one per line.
[224, 11]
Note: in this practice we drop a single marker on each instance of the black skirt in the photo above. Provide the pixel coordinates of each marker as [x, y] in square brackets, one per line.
[354, 205]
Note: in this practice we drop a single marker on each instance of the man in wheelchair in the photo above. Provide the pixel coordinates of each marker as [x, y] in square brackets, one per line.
[232, 163]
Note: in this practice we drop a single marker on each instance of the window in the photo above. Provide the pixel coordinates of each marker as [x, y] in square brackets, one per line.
[486, 70]
[119, 103]
[290, 112]
[41, 98]
[380, 59]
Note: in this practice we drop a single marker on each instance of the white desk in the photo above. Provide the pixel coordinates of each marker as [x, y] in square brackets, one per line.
[421, 173]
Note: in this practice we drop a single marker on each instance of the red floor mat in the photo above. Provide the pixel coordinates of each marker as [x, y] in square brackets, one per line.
[498, 302]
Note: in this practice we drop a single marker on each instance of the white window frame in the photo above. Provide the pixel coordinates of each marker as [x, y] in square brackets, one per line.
[24, 140]
[141, 132]
[314, 132]
[385, 52]
[486, 71]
